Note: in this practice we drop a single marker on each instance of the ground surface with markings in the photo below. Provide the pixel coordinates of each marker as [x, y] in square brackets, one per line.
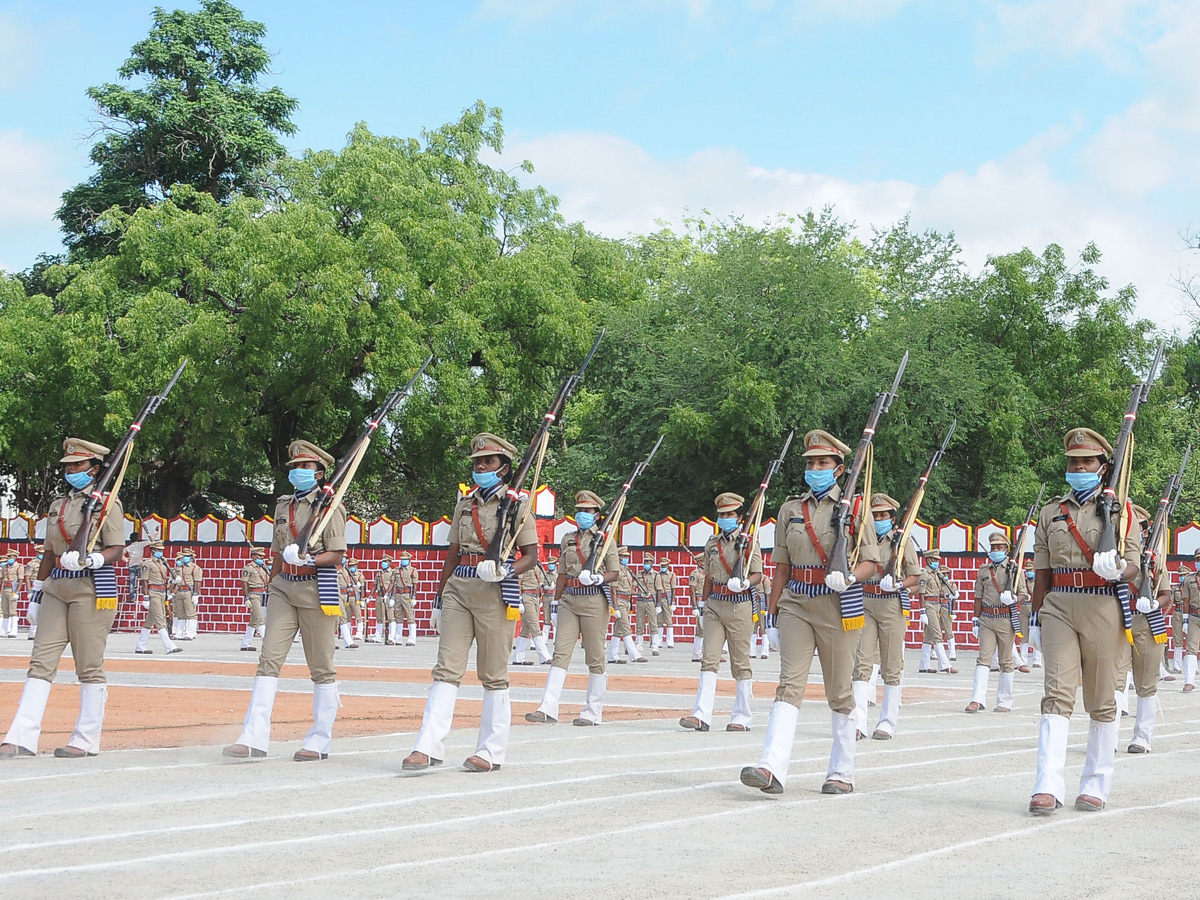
[635, 808]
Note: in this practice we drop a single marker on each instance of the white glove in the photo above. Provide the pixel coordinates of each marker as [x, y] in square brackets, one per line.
[954, 593]
[924, 618]
[737, 585]
[1035, 637]
[838, 582]
[70, 561]
[888, 584]
[391, 602]
[1144, 605]
[1108, 565]
[773, 638]
[145, 604]
[617, 611]
[585, 578]
[196, 599]
[291, 556]
[1007, 598]
[435, 620]
[1185, 624]
[521, 607]
[657, 609]
[94, 561]
[486, 570]
[554, 620]
[975, 631]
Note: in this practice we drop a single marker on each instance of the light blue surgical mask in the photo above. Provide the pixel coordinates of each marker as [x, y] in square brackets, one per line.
[404, 563]
[645, 567]
[185, 559]
[997, 556]
[585, 520]
[1083, 481]
[1029, 575]
[882, 526]
[551, 567]
[820, 480]
[727, 523]
[303, 480]
[353, 569]
[158, 554]
[39, 556]
[385, 565]
[78, 480]
[486, 480]
[261, 561]
[934, 564]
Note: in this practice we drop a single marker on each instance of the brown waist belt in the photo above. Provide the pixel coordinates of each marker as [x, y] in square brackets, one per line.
[809, 574]
[298, 571]
[157, 587]
[1079, 578]
[872, 587]
[471, 559]
[994, 610]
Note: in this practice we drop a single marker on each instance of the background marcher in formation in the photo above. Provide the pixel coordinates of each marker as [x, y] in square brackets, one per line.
[30, 575]
[534, 584]
[299, 578]
[622, 630]
[728, 615]
[71, 593]
[664, 595]
[647, 611]
[405, 597]
[1141, 660]
[256, 583]
[696, 594]
[153, 576]
[759, 645]
[582, 613]
[998, 588]
[1189, 591]
[385, 601]
[1080, 626]
[935, 592]
[348, 589]
[186, 578]
[11, 572]
[473, 606]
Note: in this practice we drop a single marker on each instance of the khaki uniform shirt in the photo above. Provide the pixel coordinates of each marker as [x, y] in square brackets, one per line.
[255, 578]
[406, 581]
[643, 584]
[188, 577]
[292, 514]
[67, 513]
[696, 584]
[531, 582]
[932, 587]
[793, 546]
[664, 586]
[624, 583]
[1055, 548]
[12, 574]
[1189, 593]
[351, 584]
[990, 575]
[462, 522]
[720, 557]
[386, 582]
[575, 548]
[155, 572]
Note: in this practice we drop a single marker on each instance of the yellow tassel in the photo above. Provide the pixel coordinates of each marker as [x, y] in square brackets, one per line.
[512, 614]
[1160, 639]
[106, 603]
[1129, 635]
[854, 624]
[754, 618]
[331, 610]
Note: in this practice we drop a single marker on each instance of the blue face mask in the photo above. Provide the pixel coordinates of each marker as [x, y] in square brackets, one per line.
[353, 569]
[585, 520]
[882, 526]
[486, 480]
[39, 556]
[261, 562]
[551, 566]
[645, 567]
[385, 565]
[997, 556]
[820, 480]
[934, 565]
[303, 480]
[1029, 575]
[185, 559]
[78, 480]
[1083, 481]
[727, 523]
[404, 563]
[158, 554]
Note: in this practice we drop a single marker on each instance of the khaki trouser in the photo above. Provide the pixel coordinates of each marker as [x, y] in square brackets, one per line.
[586, 616]
[946, 620]
[882, 639]
[403, 611]
[621, 626]
[1193, 635]
[531, 621]
[1023, 610]
[292, 606]
[995, 634]
[69, 615]
[473, 612]
[664, 617]
[1177, 625]
[647, 617]
[1081, 643]
[255, 605]
[8, 601]
[156, 615]
[726, 621]
[815, 623]
[384, 614]
[184, 605]
[933, 623]
[1144, 656]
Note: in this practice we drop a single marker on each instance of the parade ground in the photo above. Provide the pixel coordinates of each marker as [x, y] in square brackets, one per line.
[635, 808]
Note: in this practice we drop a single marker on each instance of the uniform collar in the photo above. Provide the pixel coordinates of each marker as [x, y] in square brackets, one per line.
[834, 494]
[485, 495]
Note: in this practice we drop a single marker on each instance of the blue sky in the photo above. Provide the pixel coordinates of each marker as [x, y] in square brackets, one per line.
[1010, 123]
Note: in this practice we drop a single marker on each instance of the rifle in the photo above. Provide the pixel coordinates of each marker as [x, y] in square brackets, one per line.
[613, 520]
[1017, 551]
[747, 539]
[1112, 500]
[334, 489]
[108, 482]
[839, 558]
[1158, 528]
[900, 539]
[507, 528]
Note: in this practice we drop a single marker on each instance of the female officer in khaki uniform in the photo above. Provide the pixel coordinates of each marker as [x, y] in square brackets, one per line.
[622, 629]
[298, 578]
[473, 601]
[932, 589]
[806, 599]
[256, 582]
[385, 601]
[582, 613]
[71, 612]
[885, 621]
[153, 575]
[728, 616]
[533, 586]
[406, 591]
[187, 578]
[1079, 626]
[1144, 656]
[665, 584]
[997, 591]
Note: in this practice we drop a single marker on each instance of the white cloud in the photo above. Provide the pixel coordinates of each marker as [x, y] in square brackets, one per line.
[616, 188]
[31, 185]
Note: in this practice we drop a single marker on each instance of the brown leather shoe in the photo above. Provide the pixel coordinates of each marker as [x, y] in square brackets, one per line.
[690, 722]
[12, 751]
[241, 751]
[417, 761]
[1043, 804]
[1085, 803]
[540, 718]
[1002, 709]
[1136, 748]
[69, 752]
[974, 707]
[145, 652]
[303, 755]
[643, 659]
[753, 776]
[880, 735]
[478, 764]
[732, 727]
[950, 671]
[1024, 669]
[580, 720]
[1188, 688]
[833, 786]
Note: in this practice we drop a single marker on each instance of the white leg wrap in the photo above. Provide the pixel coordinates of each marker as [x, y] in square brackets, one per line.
[631, 647]
[781, 735]
[143, 639]
[555, 679]
[1189, 669]
[1052, 756]
[1143, 725]
[841, 757]
[379, 632]
[544, 654]
[494, 724]
[1122, 700]
[167, 643]
[706, 697]
[741, 702]
[874, 679]
[979, 688]
[325, 706]
[614, 647]
[926, 650]
[889, 711]
[655, 640]
[435, 724]
[593, 708]
[518, 654]
[391, 632]
[670, 636]
[256, 727]
[943, 659]
[950, 646]
[1004, 690]
[347, 638]
[86, 735]
[27, 723]
[1101, 759]
[862, 696]
[248, 637]
[412, 635]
